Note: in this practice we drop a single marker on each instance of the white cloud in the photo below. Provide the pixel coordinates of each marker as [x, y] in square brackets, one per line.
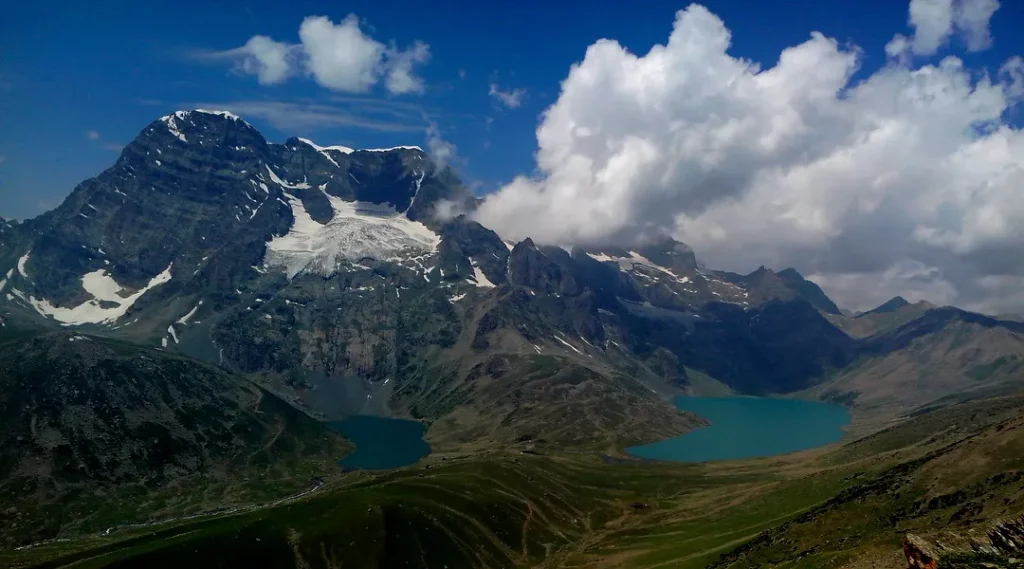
[907, 278]
[972, 19]
[270, 61]
[935, 21]
[439, 149]
[400, 77]
[908, 178]
[511, 98]
[340, 57]
[932, 21]
[447, 210]
[92, 135]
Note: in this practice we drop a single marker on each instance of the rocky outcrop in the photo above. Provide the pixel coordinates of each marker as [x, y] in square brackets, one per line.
[1007, 538]
[1001, 547]
[920, 554]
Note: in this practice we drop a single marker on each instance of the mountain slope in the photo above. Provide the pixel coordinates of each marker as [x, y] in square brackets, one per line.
[957, 478]
[950, 474]
[884, 319]
[892, 305]
[942, 353]
[84, 420]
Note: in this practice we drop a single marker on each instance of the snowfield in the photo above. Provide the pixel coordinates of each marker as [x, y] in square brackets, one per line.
[102, 287]
[357, 231]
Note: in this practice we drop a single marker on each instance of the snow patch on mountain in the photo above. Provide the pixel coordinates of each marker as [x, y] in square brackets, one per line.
[634, 258]
[277, 180]
[325, 150]
[479, 278]
[225, 114]
[172, 126]
[390, 149]
[184, 319]
[21, 264]
[105, 292]
[358, 230]
[419, 184]
[570, 346]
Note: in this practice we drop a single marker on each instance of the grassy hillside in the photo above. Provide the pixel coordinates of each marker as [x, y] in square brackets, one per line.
[953, 470]
[95, 433]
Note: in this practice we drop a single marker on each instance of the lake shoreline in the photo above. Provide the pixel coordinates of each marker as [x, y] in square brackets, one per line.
[748, 427]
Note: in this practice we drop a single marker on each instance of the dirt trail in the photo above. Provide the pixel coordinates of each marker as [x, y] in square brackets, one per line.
[526, 526]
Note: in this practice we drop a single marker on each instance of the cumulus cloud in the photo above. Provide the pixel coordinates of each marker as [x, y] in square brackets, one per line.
[92, 135]
[932, 21]
[511, 98]
[341, 57]
[936, 21]
[907, 181]
[972, 20]
[270, 61]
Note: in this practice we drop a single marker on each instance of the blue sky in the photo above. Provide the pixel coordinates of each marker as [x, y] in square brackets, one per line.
[78, 80]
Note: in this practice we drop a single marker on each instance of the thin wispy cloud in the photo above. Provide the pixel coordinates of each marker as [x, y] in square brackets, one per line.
[310, 116]
[98, 140]
[511, 98]
[440, 150]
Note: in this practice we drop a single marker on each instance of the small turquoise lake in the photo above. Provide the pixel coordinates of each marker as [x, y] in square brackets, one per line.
[382, 443]
[749, 427]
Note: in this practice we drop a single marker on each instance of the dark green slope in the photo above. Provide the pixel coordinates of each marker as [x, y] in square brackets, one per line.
[950, 473]
[94, 432]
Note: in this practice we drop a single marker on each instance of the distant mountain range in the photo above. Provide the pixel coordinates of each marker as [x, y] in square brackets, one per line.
[332, 275]
[167, 330]
[334, 278]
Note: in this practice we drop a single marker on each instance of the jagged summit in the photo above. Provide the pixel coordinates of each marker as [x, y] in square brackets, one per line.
[203, 190]
[892, 305]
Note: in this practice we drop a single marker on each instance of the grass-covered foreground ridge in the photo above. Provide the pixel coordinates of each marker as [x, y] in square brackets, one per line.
[97, 434]
[950, 472]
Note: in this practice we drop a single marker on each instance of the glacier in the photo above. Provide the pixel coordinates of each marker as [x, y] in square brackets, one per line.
[358, 230]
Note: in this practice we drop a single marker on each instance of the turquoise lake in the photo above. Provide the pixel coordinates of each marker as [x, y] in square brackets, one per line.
[749, 427]
[381, 442]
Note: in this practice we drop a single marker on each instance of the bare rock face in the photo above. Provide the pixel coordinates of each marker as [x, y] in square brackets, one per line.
[1007, 537]
[1001, 547]
[920, 554]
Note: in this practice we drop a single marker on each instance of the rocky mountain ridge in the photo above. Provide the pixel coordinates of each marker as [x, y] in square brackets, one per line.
[330, 276]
